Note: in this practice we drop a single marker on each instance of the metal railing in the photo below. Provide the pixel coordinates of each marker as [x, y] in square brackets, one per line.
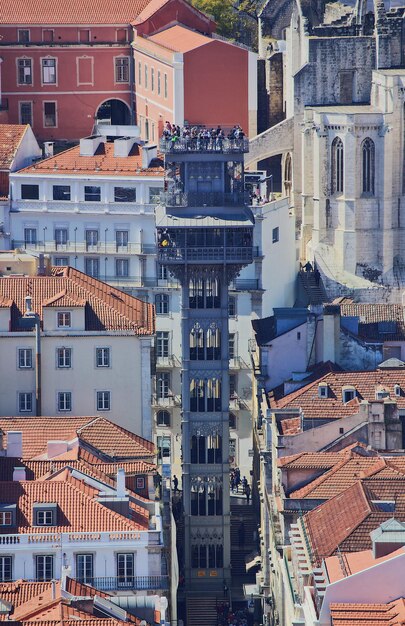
[135, 583]
[82, 206]
[210, 145]
[206, 254]
[77, 247]
[201, 199]
[246, 284]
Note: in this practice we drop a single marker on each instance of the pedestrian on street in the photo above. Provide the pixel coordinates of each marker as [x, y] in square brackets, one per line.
[175, 483]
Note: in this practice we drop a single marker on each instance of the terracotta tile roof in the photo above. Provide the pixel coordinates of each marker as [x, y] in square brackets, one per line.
[347, 519]
[354, 562]
[106, 308]
[180, 39]
[390, 614]
[290, 426]
[307, 400]
[311, 460]
[24, 12]
[10, 139]
[77, 511]
[371, 320]
[110, 440]
[101, 164]
[21, 593]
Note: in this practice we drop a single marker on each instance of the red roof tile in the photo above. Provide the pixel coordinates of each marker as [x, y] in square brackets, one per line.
[23, 12]
[110, 440]
[77, 510]
[10, 138]
[390, 614]
[180, 39]
[106, 308]
[101, 164]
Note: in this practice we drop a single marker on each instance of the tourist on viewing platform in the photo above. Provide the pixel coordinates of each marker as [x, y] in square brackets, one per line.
[203, 139]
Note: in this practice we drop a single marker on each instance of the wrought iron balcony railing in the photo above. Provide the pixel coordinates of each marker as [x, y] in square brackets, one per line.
[206, 254]
[200, 199]
[112, 583]
[211, 145]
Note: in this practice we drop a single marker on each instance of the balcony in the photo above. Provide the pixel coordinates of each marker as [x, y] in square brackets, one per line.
[79, 247]
[127, 583]
[246, 284]
[205, 199]
[211, 146]
[80, 206]
[217, 254]
[168, 401]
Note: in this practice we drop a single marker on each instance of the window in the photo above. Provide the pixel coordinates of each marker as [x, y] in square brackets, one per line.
[92, 267]
[44, 518]
[125, 569]
[232, 345]
[368, 158]
[199, 559]
[64, 401]
[140, 482]
[163, 384]
[162, 272]
[23, 36]
[29, 192]
[275, 234]
[64, 357]
[61, 236]
[337, 165]
[24, 358]
[44, 567]
[30, 236]
[24, 71]
[61, 261]
[146, 76]
[139, 74]
[121, 35]
[158, 82]
[162, 344]
[6, 571]
[25, 402]
[25, 113]
[348, 393]
[233, 386]
[232, 306]
[103, 357]
[122, 268]
[162, 304]
[84, 35]
[91, 238]
[163, 418]
[6, 518]
[47, 35]
[92, 194]
[152, 79]
[165, 92]
[124, 194]
[84, 568]
[288, 175]
[122, 70]
[61, 192]
[49, 114]
[103, 401]
[154, 195]
[121, 238]
[232, 421]
[49, 71]
[164, 449]
[322, 390]
[64, 319]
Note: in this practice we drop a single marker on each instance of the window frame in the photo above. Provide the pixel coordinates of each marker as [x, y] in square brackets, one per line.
[163, 385]
[166, 423]
[3, 515]
[162, 344]
[63, 358]
[88, 559]
[25, 398]
[47, 517]
[103, 400]
[52, 79]
[90, 196]
[121, 268]
[21, 117]
[126, 570]
[64, 319]
[23, 30]
[66, 405]
[47, 115]
[162, 304]
[25, 351]
[121, 69]
[103, 350]
[21, 63]
[24, 189]
[4, 559]
[275, 234]
[47, 562]
[67, 196]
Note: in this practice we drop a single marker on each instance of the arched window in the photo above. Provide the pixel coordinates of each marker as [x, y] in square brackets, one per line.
[368, 160]
[337, 166]
[288, 175]
[163, 418]
[198, 499]
[213, 343]
[197, 449]
[197, 343]
[197, 396]
[214, 449]
[213, 395]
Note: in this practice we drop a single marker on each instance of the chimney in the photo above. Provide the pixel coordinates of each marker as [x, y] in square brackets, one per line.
[123, 146]
[121, 491]
[89, 145]
[19, 474]
[331, 333]
[56, 447]
[48, 149]
[41, 264]
[148, 154]
[14, 444]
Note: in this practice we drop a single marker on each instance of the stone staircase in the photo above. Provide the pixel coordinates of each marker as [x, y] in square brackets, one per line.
[246, 514]
[310, 289]
[201, 609]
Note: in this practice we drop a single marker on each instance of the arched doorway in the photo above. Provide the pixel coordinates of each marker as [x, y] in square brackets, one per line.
[114, 112]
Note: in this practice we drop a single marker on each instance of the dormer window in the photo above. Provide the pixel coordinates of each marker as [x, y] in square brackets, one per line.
[322, 390]
[64, 319]
[348, 393]
[380, 394]
[44, 514]
[7, 514]
[397, 390]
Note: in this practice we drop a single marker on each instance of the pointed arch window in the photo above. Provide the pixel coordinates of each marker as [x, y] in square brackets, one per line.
[288, 175]
[337, 166]
[368, 165]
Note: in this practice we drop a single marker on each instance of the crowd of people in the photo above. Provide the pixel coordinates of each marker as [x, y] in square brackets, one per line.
[236, 481]
[227, 617]
[197, 138]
